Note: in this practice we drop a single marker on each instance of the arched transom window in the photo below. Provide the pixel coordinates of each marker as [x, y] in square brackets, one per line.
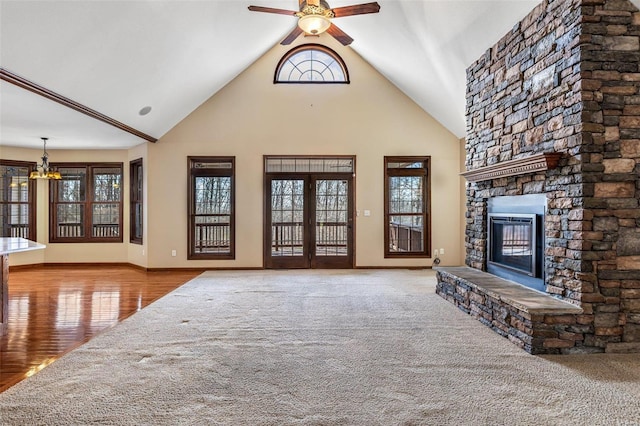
[311, 63]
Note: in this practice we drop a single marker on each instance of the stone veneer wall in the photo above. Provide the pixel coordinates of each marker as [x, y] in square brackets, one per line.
[567, 79]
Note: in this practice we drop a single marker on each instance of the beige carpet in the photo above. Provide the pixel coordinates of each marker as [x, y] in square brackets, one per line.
[318, 348]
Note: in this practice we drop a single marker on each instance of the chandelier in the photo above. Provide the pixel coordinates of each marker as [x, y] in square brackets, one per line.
[43, 170]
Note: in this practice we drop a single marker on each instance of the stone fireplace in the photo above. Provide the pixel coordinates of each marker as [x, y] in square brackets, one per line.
[553, 113]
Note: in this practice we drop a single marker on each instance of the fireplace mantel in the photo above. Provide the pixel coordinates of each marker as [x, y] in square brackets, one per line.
[521, 166]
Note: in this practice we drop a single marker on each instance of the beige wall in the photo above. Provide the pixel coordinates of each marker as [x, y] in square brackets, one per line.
[252, 117]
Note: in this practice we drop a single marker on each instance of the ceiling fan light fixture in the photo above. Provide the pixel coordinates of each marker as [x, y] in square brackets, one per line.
[314, 24]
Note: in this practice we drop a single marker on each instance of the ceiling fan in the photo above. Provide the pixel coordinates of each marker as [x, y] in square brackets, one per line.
[315, 16]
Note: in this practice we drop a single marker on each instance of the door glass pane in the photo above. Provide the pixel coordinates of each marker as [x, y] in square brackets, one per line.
[331, 217]
[287, 217]
[212, 197]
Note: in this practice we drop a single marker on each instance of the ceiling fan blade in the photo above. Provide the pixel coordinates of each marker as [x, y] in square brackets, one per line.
[356, 9]
[339, 35]
[272, 10]
[292, 36]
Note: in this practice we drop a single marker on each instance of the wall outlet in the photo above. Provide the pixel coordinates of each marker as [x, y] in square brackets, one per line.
[367, 213]
[143, 252]
[435, 253]
[441, 251]
[173, 253]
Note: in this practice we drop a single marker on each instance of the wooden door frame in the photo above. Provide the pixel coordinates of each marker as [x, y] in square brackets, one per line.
[268, 260]
[327, 264]
[267, 177]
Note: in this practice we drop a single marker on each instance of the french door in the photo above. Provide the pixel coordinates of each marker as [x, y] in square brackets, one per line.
[309, 220]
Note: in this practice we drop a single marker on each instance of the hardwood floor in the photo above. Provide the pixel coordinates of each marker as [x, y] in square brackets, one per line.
[53, 310]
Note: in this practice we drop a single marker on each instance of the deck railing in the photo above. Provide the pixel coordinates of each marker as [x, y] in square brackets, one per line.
[17, 230]
[101, 230]
[213, 237]
[405, 238]
[287, 238]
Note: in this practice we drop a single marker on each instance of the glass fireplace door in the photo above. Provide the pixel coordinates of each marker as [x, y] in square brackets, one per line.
[512, 242]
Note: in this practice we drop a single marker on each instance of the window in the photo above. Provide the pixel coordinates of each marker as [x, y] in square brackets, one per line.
[406, 207]
[17, 199]
[311, 63]
[86, 204]
[211, 208]
[135, 195]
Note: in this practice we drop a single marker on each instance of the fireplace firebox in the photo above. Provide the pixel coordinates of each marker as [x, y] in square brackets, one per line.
[515, 240]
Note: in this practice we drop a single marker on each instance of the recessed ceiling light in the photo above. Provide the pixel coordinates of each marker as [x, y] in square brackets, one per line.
[144, 111]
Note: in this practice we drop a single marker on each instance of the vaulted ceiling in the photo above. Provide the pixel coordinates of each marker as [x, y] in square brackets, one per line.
[117, 57]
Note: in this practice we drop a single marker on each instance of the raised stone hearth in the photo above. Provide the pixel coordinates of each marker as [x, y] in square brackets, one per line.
[566, 80]
[538, 323]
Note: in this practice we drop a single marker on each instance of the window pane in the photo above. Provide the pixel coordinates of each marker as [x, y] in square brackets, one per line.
[105, 220]
[14, 182]
[405, 165]
[213, 234]
[406, 233]
[15, 209]
[106, 184]
[213, 195]
[138, 181]
[15, 220]
[138, 221]
[406, 194]
[214, 165]
[311, 65]
[18, 214]
[309, 165]
[69, 220]
[72, 186]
